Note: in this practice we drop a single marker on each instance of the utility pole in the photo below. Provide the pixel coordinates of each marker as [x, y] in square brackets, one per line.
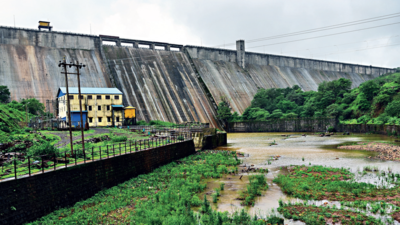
[78, 66]
[64, 65]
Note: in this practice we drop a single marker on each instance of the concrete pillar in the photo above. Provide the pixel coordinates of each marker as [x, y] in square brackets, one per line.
[152, 46]
[168, 47]
[240, 53]
[136, 45]
[118, 43]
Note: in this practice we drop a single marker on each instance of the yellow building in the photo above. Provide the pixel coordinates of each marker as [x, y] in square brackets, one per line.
[103, 105]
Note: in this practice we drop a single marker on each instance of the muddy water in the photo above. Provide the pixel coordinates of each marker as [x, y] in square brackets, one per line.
[314, 149]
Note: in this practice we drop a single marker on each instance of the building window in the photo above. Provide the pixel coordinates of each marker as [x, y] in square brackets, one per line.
[108, 108]
[99, 119]
[116, 97]
[98, 97]
[109, 119]
[117, 118]
[81, 96]
[90, 97]
[90, 120]
[107, 97]
[99, 108]
[71, 97]
[90, 108]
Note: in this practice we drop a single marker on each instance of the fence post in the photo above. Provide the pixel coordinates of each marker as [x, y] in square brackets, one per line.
[84, 156]
[136, 146]
[100, 151]
[15, 168]
[55, 160]
[114, 150]
[107, 153]
[75, 157]
[119, 148]
[29, 165]
[65, 154]
[130, 146]
[125, 147]
[41, 157]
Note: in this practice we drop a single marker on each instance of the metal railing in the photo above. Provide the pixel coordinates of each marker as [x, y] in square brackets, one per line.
[20, 165]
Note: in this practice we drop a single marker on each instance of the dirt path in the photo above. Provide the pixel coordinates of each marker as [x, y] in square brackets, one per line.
[65, 136]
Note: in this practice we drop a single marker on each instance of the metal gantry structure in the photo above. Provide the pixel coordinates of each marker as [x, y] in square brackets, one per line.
[78, 66]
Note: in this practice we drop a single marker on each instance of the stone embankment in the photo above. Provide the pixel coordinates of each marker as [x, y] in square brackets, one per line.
[386, 151]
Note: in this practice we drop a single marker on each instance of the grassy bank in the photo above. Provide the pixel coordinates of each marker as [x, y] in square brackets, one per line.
[335, 184]
[165, 196]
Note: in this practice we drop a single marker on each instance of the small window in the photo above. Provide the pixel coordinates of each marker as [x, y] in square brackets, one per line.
[117, 118]
[81, 96]
[116, 97]
[90, 97]
[99, 119]
[99, 108]
[108, 108]
[98, 97]
[90, 108]
[107, 97]
[108, 119]
[90, 120]
[71, 97]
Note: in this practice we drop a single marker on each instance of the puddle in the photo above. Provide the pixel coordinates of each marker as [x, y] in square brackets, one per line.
[292, 149]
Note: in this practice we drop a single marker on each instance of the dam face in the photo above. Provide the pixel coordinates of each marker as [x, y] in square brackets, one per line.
[175, 86]
[224, 78]
[29, 62]
[160, 84]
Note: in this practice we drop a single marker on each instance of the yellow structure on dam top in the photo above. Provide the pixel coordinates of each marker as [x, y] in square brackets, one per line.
[103, 105]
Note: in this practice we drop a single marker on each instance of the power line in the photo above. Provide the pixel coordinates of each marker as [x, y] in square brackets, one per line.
[362, 49]
[329, 46]
[357, 22]
[303, 39]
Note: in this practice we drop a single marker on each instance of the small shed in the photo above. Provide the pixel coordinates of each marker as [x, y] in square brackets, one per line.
[130, 115]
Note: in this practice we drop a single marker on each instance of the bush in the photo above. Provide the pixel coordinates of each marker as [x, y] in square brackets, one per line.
[331, 129]
[45, 148]
[393, 108]
[119, 139]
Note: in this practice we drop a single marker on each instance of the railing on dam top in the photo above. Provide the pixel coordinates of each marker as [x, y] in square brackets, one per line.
[20, 165]
[283, 125]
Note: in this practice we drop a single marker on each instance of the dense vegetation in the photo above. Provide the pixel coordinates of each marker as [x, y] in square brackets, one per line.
[165, 196]
[337, 184]
[375, 101]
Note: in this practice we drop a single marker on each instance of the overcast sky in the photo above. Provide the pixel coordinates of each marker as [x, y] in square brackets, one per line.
[215, 22]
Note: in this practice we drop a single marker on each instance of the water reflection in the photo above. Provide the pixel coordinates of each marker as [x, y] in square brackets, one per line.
[292, 149]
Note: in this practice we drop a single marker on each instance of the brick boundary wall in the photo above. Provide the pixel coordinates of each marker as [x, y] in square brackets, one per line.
[27, 199]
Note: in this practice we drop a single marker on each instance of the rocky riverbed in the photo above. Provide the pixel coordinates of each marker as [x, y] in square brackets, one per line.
[386, 151]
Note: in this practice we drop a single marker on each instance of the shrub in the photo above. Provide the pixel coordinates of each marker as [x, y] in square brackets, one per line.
[119, 138]
[45, 148]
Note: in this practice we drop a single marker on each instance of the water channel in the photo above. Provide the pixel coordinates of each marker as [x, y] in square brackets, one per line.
[314, 149]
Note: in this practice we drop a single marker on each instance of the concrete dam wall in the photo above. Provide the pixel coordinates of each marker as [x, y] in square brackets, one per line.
[160, 84]
[29, 62]
[220, 71]
[176, 86]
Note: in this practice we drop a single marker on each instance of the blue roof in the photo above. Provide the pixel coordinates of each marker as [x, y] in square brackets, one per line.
[117, 106]
[88, 90]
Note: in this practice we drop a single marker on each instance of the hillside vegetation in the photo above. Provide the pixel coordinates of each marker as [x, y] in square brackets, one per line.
[375, 101]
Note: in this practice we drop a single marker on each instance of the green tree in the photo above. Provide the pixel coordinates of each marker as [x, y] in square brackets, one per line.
[4, 94]
[224, 112]
[393, 108]
[34, 106]
[370, 89]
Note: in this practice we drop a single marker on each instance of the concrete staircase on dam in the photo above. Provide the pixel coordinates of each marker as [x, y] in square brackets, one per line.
[178, 83]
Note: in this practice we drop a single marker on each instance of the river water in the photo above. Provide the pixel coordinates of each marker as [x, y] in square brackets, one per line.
[314, 149]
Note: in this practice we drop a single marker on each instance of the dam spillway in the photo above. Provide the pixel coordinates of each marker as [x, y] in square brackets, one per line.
[160, 84]
[175, 86]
